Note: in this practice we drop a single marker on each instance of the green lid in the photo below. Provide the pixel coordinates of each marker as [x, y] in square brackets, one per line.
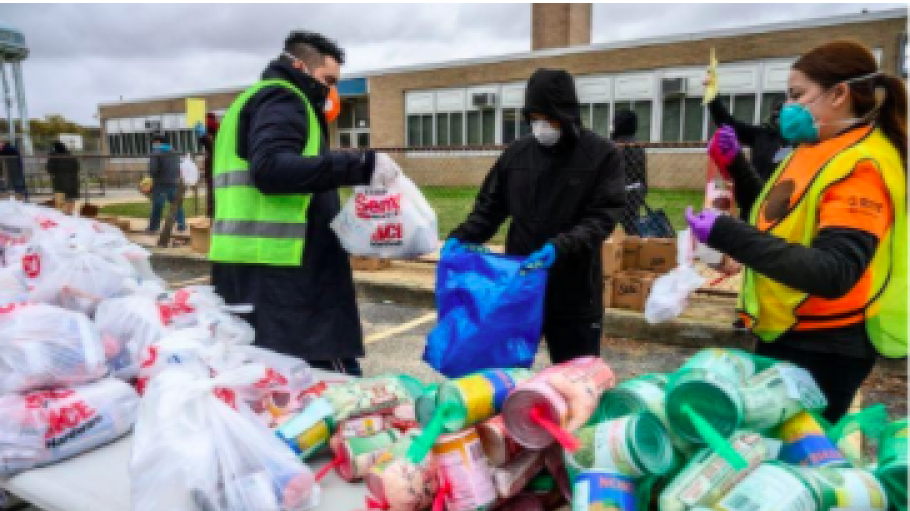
[412, 385]
[650, 445]
[711, 397]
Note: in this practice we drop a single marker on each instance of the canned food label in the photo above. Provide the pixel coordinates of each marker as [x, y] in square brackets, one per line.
[312, 439]
[463, 464]
[801, 386]
[768, 488]
[858, 489]
[611, 448]
[713, 474]
[597, 491]
[806, 443]
[484, 393]
[362, 427]
[731, 365]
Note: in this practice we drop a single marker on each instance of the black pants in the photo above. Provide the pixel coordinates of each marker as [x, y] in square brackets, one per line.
[349, 366]
[838, 376]
[572, 338]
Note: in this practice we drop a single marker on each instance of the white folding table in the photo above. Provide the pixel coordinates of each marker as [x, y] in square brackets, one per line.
[99, 481]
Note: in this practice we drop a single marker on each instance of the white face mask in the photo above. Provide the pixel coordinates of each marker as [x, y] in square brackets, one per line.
[545, 134]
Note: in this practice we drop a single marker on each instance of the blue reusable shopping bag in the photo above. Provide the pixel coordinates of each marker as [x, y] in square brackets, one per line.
[490, 314]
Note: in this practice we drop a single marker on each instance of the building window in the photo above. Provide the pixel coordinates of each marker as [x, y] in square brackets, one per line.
[682, 120]
[482, 127]
[346, 116]
[642, 110]
[768, 100]
[513, 125]
[450, 129]
[113, 145]
[596, 117]
[420, 130]
[740, 106]
[361, 113]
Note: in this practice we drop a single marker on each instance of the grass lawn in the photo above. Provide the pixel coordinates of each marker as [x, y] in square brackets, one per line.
[452, 205]
[143, 209]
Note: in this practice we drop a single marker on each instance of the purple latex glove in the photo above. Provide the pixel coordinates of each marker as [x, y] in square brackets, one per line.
[701, 223]
[723, 147]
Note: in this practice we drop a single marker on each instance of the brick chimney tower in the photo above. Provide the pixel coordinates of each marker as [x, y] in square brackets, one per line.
[560, 25]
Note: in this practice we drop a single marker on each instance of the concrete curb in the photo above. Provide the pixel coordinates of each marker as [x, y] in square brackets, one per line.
[616, 323]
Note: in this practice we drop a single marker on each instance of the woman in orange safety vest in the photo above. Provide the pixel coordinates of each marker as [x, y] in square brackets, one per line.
[825, 251]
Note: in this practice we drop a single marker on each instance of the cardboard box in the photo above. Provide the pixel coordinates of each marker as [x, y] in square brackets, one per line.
[608, 291]
[631, 246]
[631, 289]
[657, 255]
[201, 236]
[611, 256]
[369, 263]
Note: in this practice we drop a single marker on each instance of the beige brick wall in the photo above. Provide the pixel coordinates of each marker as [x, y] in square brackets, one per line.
[549, 26]
[387, 91]
[580, 24]
[560, 25]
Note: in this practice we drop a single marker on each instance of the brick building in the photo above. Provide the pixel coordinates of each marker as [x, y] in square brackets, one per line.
[477, 101]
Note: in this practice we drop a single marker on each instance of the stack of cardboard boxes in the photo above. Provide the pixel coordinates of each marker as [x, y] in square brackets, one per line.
[630, 266]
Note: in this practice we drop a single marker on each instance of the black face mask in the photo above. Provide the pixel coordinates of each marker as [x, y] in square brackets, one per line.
[317, 92]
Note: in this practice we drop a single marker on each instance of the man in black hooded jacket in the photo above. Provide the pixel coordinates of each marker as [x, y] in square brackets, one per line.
[563, 187]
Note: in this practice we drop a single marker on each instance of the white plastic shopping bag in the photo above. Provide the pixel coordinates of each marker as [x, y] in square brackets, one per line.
[16, 224]
[206, 455]
[128, 325]
[394, 223]
[189, 171]
[47, 426]
[43, 346]
[282, 391]
[670, 292]
[82, 283]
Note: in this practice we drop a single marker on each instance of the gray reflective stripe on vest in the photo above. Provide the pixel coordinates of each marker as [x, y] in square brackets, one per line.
[232, 178]
[259, 229]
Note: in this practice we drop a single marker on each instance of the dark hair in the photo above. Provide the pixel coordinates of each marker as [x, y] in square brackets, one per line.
[312, 48]
[625, 124]
[839, 61]
[158, 138]
[59, 148]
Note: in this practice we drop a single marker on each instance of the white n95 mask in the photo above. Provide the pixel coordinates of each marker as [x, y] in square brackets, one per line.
[545, 134]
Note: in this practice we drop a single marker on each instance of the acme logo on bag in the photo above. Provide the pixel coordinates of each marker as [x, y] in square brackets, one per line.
[387, 235]
[384, 206]
[65, 412]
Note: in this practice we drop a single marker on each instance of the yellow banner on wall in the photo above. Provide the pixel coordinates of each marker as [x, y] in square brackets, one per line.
[195, 112]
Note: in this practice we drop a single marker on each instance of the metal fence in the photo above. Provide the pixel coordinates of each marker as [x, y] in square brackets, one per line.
[663, 177]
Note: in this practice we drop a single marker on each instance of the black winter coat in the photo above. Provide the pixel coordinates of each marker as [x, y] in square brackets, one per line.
[308, 311]
[570, 195]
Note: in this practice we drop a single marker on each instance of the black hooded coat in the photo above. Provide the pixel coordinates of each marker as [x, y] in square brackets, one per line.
[570, 194]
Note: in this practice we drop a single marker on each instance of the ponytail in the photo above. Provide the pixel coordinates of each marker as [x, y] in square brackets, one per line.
[892, 116]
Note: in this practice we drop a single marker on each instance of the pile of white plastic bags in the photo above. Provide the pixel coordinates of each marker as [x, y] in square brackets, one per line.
[87, 327]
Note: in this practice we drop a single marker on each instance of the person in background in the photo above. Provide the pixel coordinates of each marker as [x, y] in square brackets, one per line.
[64, 171]
[164, 169]
[825, 251]
[276, 191]
[635, 163]
[11, 163]
[207, 134]
[768, 147]
[564, 190]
